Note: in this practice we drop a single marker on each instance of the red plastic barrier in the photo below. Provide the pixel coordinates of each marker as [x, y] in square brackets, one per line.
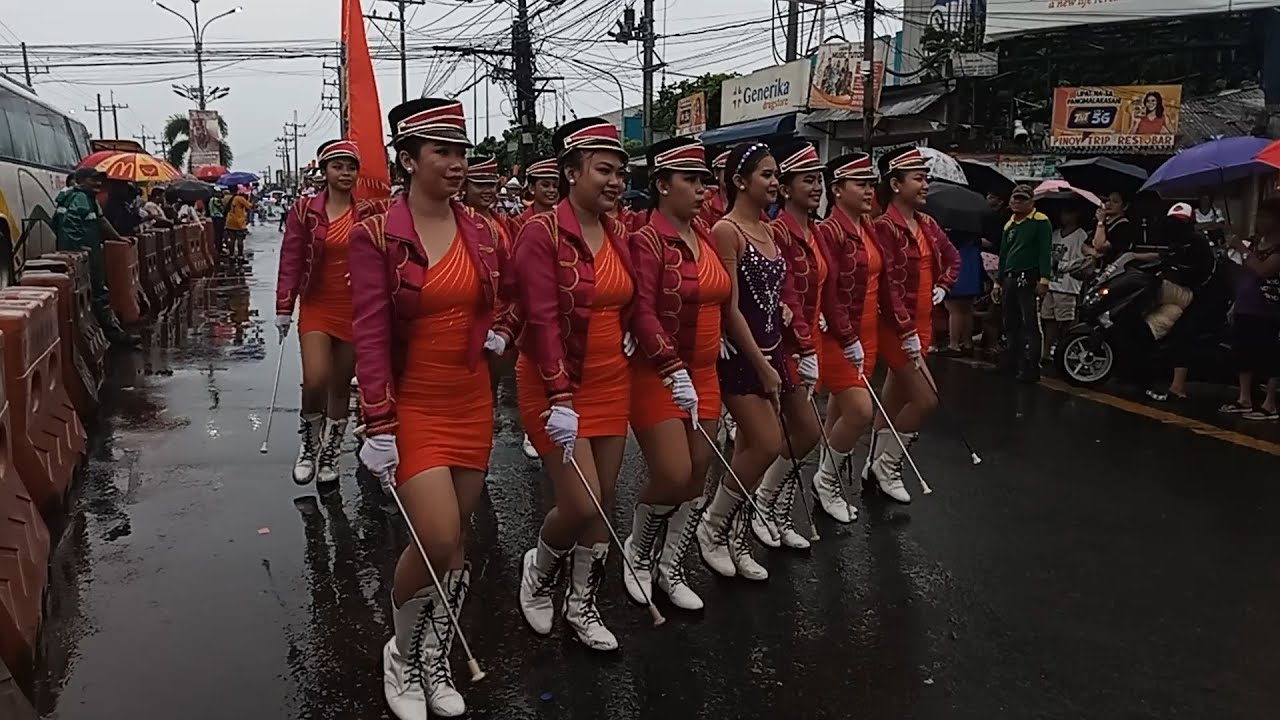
[13, 703]
[91, 341]
[122, 281]
[152, 273]
[169, 255]
[210, 245]
[24, 559]
[81, 382]
[48, 437]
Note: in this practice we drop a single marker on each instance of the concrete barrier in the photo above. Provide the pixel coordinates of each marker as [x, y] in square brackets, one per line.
[81, 382]
[24, 570]
[49, 439]
[122, 281]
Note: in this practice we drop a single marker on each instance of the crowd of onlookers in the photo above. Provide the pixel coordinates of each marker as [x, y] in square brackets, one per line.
[1021, 279]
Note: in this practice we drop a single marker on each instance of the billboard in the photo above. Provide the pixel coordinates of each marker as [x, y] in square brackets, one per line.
[776, 90]
[839, 76]
[691, 114]
[205, 137]
[1116, 118]
[1014, 17]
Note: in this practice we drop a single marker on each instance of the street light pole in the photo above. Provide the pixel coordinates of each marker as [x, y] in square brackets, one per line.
[197, 36]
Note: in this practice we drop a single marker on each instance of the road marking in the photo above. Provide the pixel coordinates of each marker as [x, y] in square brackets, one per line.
[1168, 418]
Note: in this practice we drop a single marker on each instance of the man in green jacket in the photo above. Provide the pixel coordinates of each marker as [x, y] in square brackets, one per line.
[1026, 250]
[81, 227]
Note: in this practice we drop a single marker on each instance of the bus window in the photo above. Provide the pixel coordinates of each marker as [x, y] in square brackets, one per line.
[21, 130]
[54, 143]
[6, 142]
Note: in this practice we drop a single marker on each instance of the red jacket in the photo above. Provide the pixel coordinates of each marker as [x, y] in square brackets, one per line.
[302, 251]
[800, 290]
[555, 276]
[845, 293]
[902, 255]
[388, 271]
[664, 319]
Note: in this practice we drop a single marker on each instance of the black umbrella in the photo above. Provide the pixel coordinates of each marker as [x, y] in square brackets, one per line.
[987, 178]
[1103, 175]
[957, 208]
[190, 190]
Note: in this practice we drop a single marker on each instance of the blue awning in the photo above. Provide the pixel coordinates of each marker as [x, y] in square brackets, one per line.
[777, 125]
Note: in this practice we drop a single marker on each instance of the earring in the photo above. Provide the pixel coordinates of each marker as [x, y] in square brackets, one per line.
[573, 181]
[662, 192]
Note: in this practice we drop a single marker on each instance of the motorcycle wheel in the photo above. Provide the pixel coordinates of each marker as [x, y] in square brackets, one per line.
[1085, 360]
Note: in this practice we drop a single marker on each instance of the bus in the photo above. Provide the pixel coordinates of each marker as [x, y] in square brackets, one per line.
[39, 146]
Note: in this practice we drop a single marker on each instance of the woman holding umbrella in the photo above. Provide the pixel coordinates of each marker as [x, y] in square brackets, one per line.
[923, 264]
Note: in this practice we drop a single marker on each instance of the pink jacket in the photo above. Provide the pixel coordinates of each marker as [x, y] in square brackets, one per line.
[388, 271]
[305, 229]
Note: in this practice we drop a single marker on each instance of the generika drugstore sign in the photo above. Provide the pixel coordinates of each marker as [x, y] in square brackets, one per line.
[773, 91]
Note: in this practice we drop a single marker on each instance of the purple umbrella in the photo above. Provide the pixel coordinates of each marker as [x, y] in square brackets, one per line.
[1214, 163]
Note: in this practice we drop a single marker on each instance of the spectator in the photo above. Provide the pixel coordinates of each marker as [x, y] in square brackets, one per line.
[187, 213]
[994, 227]
[1209, 219]
[153, 213]
[1256, 326]
[81, 226]
[1068, 257]
[1025, 271]
[218, 211]
[960, 299]
[1115, 234]
[237, 224]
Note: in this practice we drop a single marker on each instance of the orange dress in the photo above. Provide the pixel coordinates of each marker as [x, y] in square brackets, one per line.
[651, 401]
[326, 307]
[445, 409]
[604, 397]
[820, 266]
[838, 374]
[893, 353]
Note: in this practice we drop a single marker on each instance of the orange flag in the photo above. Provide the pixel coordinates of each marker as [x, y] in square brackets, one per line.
[362, 111]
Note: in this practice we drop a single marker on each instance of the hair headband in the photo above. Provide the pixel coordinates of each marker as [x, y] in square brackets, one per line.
[743, 160]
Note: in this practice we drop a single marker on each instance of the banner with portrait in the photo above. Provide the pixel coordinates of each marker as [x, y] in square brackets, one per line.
[205, 138]
[1127, 119]
[691, 114]
[839, 77]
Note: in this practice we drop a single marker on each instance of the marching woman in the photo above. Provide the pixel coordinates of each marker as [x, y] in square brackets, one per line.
[716, 203]
[681, 288]
[796, 234]
[572, 379]
[753, 367]
[313, 267]
[923, 264]
[856, 289]
[542, 182]
[424, 280]
[481, 194]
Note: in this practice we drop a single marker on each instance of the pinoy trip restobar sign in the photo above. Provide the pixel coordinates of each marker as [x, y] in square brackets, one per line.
[777, 90]
[1118, 118]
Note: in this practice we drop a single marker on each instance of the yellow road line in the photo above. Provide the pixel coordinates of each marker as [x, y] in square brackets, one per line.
[1168, 418]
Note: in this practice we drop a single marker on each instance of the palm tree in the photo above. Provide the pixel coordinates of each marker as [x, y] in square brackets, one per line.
[177, 132]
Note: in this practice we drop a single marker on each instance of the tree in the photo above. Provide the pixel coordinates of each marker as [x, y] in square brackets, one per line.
[664, 107]
[498, 148]
[177, 133]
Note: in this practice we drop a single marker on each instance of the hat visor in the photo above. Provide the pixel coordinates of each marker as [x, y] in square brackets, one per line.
[448, 137]
[805, 168]
[482, 179]
[912, 167]
[599, 147]
[691, 167]
[869, 176]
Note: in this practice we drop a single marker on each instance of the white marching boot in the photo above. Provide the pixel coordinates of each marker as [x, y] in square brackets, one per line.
[888, 464]
[330, 451]
[740, 546]
[311, 429]
[764, 524]
[586, 572]
[681, 527]
[640, 548]
[542, 568]
[713, 531]
[783, 518]
[415, 663]
[827, 485]
[527, 447]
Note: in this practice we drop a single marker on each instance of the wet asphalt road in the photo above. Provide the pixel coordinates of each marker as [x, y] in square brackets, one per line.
[1096, 565]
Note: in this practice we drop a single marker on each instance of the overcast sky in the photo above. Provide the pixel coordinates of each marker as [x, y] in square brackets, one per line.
[265, 93]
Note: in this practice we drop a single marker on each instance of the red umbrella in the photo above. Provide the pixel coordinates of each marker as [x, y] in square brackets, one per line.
[210, 172]
[1270, 154]
[1063, 188]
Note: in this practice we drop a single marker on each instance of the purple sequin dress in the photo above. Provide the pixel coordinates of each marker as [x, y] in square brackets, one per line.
[760, 301]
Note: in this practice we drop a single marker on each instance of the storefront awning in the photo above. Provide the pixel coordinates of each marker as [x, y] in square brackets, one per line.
[895, 102]
[777, 125]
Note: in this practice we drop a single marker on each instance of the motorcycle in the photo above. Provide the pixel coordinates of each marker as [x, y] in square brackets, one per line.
[1110, 335]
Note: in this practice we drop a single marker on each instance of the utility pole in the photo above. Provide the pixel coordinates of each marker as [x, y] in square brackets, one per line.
[143, 137]
[283, 153]
[404, 57]
[650, 67]
[297, 167]
[26, 65]
[793, 28]
[115, 117]
[526, 93]
[101, 134]
[869, 79]
[27, 70]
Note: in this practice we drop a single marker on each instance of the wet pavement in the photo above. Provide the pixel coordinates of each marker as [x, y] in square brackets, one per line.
[1098, 564]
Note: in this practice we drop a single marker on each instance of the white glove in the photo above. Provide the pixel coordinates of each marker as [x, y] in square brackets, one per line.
[495, 343]
[683, 394]
[939, 294]
[727, 350]
[628, 344]
[380, 455]
[283, 323]
[807, 369]
[911, 346]
[562, 428]
[822, 322]
[854, 354]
